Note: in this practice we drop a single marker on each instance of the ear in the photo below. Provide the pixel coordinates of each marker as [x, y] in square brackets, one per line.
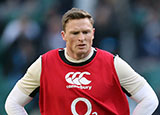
[63, 35]
[93, 32]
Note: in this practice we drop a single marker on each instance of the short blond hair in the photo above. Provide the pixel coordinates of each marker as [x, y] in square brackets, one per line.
[75, 13]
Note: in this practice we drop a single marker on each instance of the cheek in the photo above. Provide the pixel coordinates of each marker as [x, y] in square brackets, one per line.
[90, 39]
[71, 42]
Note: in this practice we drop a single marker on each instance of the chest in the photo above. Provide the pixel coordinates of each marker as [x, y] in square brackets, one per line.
[96, 80]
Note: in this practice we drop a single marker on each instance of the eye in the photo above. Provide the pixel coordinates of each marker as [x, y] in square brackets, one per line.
[86, 32]
[75, 33]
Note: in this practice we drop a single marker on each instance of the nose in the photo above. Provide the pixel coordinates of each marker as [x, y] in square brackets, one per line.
[81, 36]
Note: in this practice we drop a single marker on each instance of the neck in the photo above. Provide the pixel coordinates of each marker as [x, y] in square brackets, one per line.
[80, 58]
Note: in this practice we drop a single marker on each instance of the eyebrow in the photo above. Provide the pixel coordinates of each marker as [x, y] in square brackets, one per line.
[73, 31]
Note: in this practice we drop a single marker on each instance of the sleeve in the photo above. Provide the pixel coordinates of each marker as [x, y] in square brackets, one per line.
[146, 99]
[16, 101]
[30, 82]
[130, 80]
[24, 90]
[138, 88]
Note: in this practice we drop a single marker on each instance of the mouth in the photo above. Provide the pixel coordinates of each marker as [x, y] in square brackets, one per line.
[81, 46]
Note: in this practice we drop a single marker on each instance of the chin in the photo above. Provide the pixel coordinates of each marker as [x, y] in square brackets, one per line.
[83, 51]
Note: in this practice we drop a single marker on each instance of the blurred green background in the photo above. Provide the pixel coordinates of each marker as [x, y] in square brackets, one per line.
[29, 28]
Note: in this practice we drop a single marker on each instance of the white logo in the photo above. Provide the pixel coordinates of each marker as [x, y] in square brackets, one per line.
[87, 102]
[77, 80]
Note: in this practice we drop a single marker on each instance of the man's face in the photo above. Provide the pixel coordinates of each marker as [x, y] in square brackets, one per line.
[79, 36]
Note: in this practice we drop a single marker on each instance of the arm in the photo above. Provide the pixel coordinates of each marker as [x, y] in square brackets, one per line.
[146, 99]
[16, 101]
[24, 90]
[137, 87]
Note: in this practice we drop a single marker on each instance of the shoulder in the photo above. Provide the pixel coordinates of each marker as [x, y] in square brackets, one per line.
[105, 57]
[52, 52]
[104, 53]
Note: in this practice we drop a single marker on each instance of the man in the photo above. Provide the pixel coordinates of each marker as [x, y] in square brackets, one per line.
[80, 79]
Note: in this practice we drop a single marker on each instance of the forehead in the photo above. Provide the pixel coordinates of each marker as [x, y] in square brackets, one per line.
[76, 24]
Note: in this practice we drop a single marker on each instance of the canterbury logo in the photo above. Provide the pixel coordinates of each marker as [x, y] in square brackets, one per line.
[77, 78]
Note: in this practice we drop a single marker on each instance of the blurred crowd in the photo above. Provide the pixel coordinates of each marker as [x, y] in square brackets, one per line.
[29, 28]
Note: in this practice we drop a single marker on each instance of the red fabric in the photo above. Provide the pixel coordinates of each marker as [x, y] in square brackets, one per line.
[93, 90]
